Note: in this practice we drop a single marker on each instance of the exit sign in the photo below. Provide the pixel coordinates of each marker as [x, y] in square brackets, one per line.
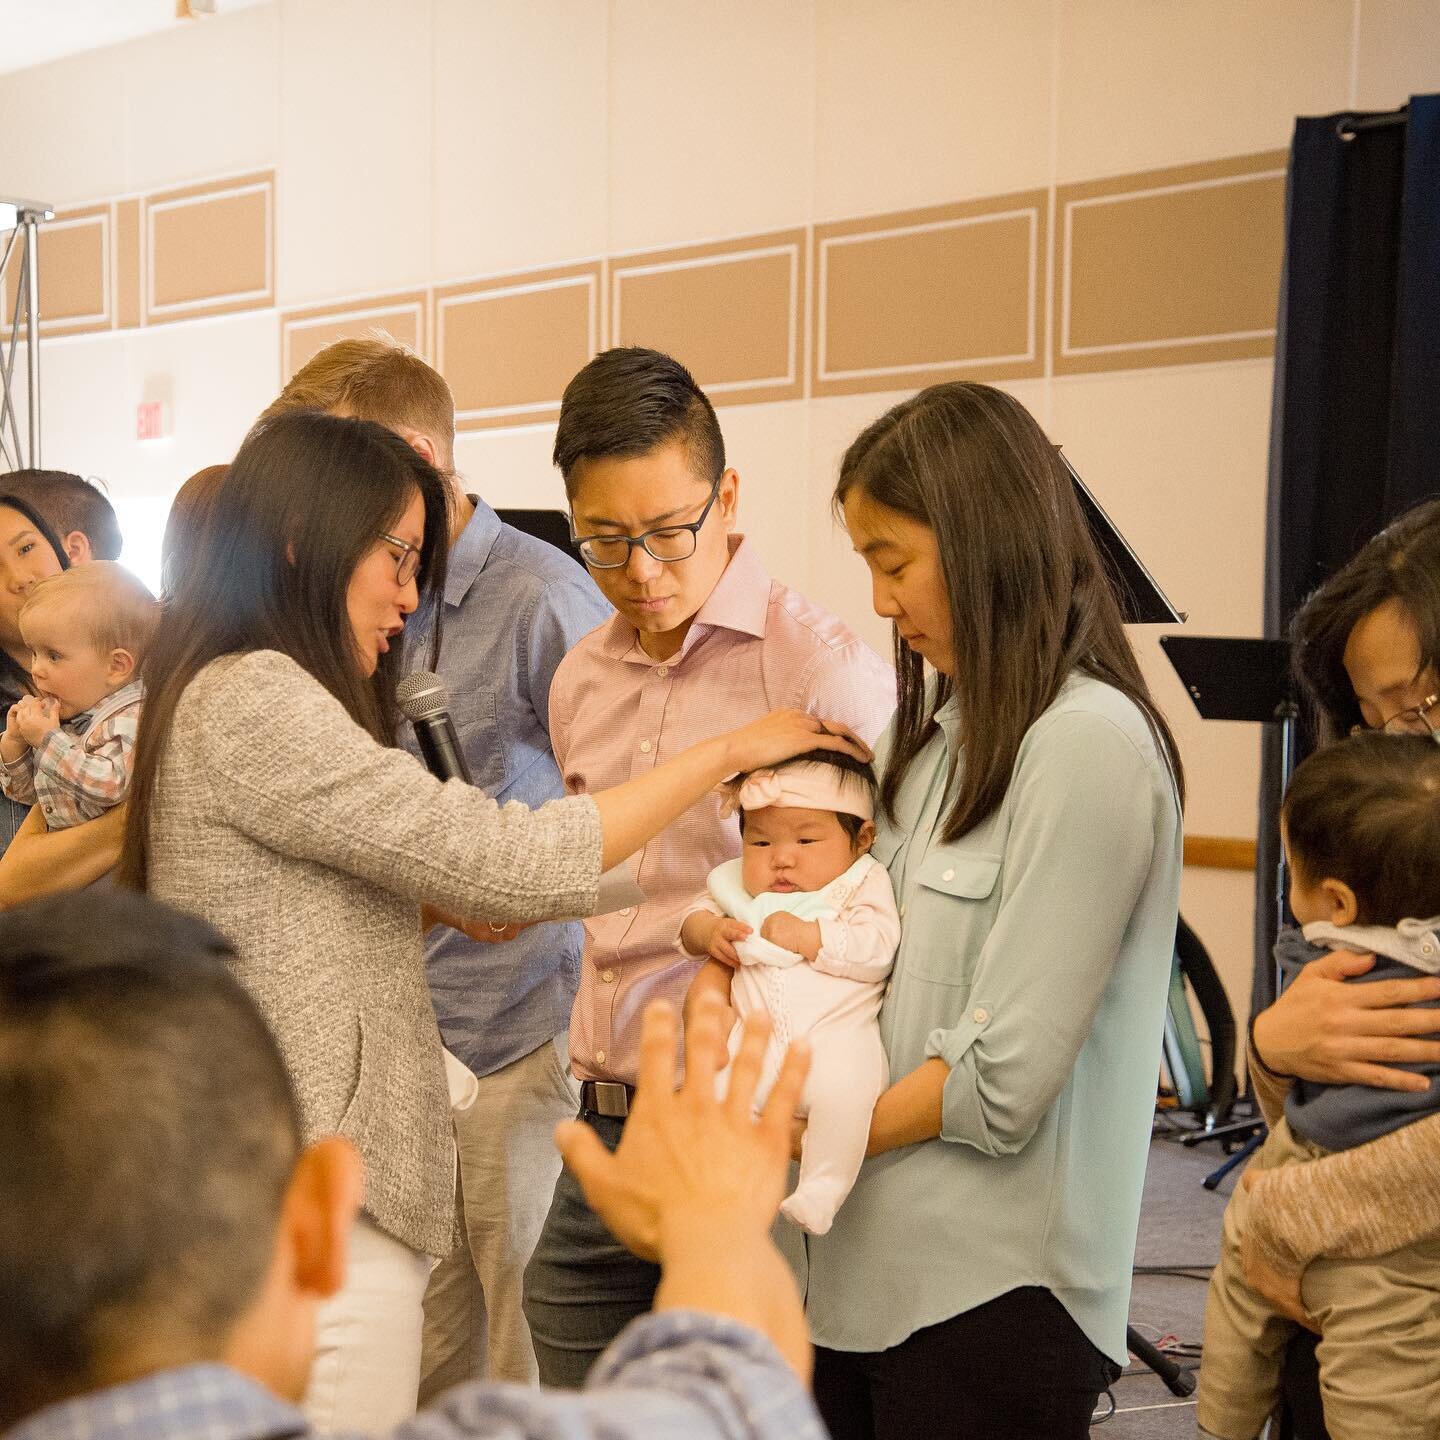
[150, 420]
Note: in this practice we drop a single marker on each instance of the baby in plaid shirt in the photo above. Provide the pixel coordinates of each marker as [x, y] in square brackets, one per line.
[70, 745]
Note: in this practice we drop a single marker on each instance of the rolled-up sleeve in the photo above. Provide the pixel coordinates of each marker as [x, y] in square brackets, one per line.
[678, 1373]
[1081, 843]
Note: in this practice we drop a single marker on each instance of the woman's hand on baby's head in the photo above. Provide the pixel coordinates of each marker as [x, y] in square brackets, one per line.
[783, 734]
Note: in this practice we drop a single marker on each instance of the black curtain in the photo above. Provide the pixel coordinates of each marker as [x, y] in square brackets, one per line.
[1355, 431]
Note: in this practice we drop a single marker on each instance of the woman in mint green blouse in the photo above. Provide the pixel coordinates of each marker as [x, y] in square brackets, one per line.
[975, 1283]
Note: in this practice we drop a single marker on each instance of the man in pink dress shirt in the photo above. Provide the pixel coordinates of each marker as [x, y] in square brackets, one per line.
[703, 640]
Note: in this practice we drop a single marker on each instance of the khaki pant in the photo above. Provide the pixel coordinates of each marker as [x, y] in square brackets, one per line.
[1379, 1351]
[367, 1338]
[474, 1325]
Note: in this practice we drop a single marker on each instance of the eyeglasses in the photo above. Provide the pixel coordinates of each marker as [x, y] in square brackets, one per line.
[667, 544]
[407, 562]
[1421, 719]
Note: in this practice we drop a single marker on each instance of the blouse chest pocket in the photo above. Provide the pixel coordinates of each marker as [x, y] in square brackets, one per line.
[948, 914]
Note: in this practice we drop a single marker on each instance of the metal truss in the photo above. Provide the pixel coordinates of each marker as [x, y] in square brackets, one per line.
[22, 220]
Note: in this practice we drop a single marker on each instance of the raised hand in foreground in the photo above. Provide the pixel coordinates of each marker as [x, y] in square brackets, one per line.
[696, 1182]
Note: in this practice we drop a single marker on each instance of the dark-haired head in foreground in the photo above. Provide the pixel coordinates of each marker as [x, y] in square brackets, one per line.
[1362, 818]
[75, 508]
[150, 1142]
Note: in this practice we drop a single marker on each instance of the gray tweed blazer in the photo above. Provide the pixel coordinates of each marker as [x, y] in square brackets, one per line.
[310, 847]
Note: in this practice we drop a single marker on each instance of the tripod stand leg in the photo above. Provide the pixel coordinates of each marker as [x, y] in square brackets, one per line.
[1177, 1381]
[1213, 1179]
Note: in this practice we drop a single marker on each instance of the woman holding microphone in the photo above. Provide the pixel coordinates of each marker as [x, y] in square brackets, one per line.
[269, 799]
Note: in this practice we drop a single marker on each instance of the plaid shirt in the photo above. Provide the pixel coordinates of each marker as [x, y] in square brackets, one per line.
[81, 770]
[680, 1373]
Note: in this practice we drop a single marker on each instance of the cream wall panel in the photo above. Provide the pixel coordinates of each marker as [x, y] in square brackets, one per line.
[1145, 84]
[1219, 905]
[62, 129]
[355, 159]
[1178, 458]
[93, 384]
[520, 156]
[1399, 53]
[511, 468]
[922, 102]
[769, 447]
[203, 100]
[711, 119]
[85, 411]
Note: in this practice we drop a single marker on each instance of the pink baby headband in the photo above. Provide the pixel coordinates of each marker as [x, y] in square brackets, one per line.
[799, 787]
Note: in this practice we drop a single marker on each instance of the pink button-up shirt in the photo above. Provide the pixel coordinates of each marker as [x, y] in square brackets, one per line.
[615, 713]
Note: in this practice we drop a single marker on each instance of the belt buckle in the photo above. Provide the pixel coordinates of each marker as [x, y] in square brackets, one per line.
[612, 1099]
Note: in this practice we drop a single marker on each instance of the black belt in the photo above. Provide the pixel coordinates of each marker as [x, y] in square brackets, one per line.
[606, 1097]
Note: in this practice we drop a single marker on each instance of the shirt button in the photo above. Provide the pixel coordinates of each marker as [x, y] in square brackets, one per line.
[948, 875]
[902, 912]
[662, 671]
[607, 976]
[599, 1057]
[644, 747]
[979, 1015]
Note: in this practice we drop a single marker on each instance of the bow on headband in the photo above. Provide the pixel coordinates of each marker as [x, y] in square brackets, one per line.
[798, 787]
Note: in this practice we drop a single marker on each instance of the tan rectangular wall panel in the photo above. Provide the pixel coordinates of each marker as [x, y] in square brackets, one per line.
[1170, 267]
[75, 279]
[951, 292]
[129, 264]
[304, 333]
[210, 249]
[509, 345]
[731, 312]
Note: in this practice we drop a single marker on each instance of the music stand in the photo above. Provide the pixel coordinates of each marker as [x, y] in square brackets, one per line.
[1142, 601]
[1241, 679]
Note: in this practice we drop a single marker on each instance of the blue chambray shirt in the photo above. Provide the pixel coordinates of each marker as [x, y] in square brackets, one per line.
[513, 607]
[680, 1373]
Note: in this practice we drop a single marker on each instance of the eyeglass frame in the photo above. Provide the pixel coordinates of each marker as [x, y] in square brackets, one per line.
[1421, 713]
[410, 555]
[579, 542]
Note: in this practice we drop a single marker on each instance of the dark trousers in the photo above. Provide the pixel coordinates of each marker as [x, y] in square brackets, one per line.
[1016, 1368]
[582, 1286]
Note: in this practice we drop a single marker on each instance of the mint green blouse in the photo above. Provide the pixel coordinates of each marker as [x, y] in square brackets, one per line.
[1034, 960]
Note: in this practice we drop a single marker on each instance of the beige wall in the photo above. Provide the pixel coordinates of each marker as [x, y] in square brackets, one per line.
[418, 148]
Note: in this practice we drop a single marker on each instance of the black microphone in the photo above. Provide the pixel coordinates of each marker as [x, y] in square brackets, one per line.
[424, 701]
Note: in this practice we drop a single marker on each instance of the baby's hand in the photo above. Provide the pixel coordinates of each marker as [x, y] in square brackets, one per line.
[35, 718]
[12, 744]
[791, 933]
[723, 936]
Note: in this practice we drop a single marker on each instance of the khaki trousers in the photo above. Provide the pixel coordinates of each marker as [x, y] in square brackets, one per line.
[474, 1325]
[367, 1338]
[1379, 1351]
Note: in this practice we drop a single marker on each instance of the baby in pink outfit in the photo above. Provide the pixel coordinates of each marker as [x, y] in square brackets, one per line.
[809, 921]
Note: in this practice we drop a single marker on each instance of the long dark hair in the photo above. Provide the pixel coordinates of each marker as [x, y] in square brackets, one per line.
[269, 568]
[1028, 595]
[1401, 563]
[14, 678]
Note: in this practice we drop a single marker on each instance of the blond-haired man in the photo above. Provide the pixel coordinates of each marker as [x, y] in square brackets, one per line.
[513, 607]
